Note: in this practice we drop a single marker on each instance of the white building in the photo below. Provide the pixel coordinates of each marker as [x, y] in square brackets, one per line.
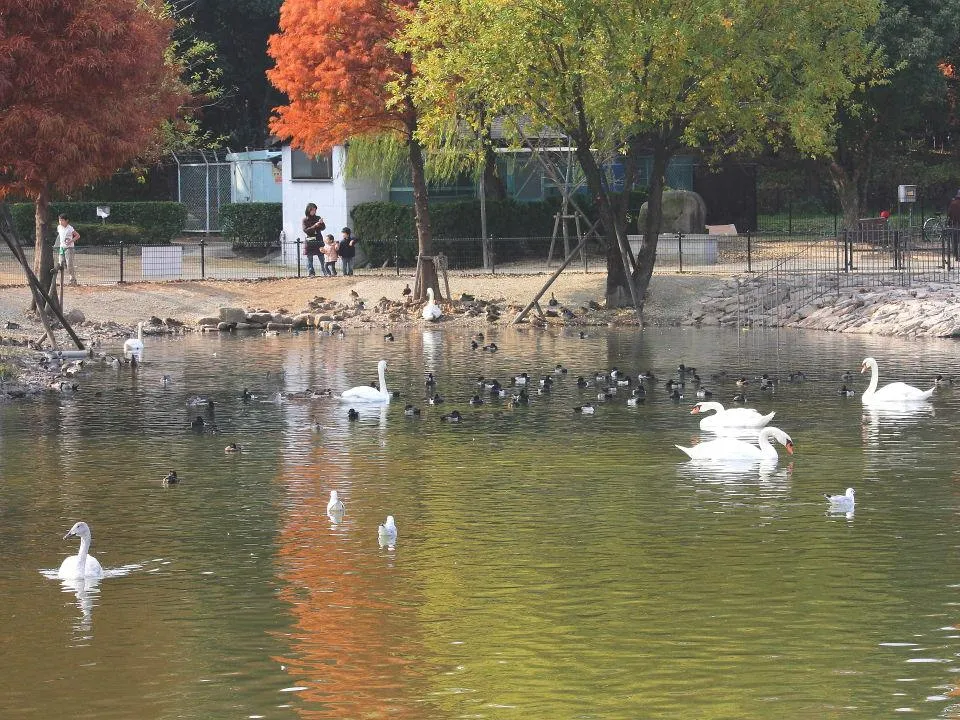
[321, 181]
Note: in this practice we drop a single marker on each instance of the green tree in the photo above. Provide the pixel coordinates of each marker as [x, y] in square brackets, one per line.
[906, 105]
[635, 77]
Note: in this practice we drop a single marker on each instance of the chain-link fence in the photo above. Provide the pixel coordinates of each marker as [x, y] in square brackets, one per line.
[203, 186]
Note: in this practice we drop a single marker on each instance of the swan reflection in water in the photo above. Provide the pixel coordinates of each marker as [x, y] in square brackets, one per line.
[85, 590]
[740, 477]
[892, 417]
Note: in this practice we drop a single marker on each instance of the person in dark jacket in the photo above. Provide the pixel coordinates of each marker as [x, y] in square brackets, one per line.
[953, 223]
[347, 250]
[313, 225]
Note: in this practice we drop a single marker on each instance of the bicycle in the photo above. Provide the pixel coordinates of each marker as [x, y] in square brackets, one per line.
[933, 228]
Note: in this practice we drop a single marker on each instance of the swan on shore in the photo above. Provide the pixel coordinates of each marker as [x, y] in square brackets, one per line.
[897, 392]
[387, 533]
[729, 417]
[734, 449]
[365, 393]
[81, 565]
[133, 347]
[431, 311]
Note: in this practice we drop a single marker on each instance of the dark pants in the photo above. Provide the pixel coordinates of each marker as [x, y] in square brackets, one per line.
[331, 268]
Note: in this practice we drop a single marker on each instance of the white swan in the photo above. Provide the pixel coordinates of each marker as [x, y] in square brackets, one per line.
[897, 392]
[365, 393]
[730, 417]
[431, 311]
[387, 533]
[841, 503]
[82, 564]
[335, 508]
[733, 449]
[133, 348]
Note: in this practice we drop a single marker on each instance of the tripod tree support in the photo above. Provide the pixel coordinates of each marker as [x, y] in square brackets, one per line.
[569, 259]
[9, 237]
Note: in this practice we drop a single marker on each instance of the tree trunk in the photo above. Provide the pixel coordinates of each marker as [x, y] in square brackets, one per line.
[427, 271]
[492, 182]
[848, 191]
[647, 255]
[42, 249]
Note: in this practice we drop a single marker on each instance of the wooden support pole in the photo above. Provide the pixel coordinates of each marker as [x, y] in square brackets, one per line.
[573, 254]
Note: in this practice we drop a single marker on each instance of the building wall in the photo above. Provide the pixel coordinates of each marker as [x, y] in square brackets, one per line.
[334, 198]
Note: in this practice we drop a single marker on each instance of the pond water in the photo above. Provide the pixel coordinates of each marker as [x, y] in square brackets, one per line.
[548, 564]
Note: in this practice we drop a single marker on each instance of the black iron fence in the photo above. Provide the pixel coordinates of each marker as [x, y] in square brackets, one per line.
[883, 254]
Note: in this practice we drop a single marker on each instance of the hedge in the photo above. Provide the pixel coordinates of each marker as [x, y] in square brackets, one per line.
[251, 224]
[377, 224]
[107, 234]
[156, 223]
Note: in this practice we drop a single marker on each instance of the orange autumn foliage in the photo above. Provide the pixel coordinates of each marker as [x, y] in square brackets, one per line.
[334, 61]
[84, 86]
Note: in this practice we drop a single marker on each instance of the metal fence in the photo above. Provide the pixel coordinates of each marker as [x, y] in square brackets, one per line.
[203, 186]
[878, 258]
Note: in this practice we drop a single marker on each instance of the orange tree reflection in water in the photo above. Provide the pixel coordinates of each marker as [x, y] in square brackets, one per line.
[355, 645]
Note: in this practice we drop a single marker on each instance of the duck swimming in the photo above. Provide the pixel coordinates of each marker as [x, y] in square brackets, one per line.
[410, 410]
[353, 414]
[233, 448]
[846, 392]
[586, 409]
[170, 479]
[453, 417]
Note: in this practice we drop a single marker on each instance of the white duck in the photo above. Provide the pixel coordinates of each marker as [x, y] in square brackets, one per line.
[387, 533]
[431, 311]
[733, 449]
[81, 565]
[335, 508]
[133, 347]
[365, 393]
[897, 392]
[841, 503]
[730, 417]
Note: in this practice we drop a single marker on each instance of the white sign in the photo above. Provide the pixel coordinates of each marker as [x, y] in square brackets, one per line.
[161, 263]
[103, 211]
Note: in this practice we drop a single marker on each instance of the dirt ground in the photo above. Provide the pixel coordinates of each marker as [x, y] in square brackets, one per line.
[669, 299]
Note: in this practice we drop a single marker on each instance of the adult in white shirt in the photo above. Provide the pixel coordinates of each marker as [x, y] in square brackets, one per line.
[67, 237]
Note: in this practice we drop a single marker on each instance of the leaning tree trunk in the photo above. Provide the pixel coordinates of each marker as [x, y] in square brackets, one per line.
[647, 255]
[42, 250]
[426, 269]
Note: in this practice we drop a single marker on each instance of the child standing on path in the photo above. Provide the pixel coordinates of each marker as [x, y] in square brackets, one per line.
[330, 256]
[66, 239]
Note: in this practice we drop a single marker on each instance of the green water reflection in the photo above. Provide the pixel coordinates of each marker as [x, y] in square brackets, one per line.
[549, 564]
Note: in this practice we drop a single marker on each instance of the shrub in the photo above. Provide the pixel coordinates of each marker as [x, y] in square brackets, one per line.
[251, 224]
[157, 222]
[108, 234]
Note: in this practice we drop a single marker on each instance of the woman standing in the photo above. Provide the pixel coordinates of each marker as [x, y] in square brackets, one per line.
[313, 225]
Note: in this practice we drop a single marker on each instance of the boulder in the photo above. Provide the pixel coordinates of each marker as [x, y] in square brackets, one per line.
[260, 317]
[232, 315]
[302, 320]
[279, 326]
[226, 326]
[208, 321]
[75, 317]
[683, 211]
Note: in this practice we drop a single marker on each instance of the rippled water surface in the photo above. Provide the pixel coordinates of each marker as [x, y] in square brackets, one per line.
[549, 565]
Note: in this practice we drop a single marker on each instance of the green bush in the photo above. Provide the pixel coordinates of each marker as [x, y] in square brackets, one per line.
[157, 223]
[251, 224]
[377, 224]
[107, 234]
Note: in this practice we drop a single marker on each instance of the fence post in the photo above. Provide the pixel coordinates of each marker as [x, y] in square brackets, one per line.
[203, 260]
[790, 216]
[121, 261]
[680, 250]
[493, 256]
[296, 242]
[396, 253]
[749, 253]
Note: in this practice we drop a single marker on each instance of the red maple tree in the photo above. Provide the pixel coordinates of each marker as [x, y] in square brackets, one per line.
[84, 87]
[335, 61]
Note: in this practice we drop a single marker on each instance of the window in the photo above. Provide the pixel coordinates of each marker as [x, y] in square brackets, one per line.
[308, 167]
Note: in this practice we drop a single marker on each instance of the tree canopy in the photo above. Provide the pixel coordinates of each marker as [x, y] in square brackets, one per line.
[84, 87]
[337, 64]
[636, 77]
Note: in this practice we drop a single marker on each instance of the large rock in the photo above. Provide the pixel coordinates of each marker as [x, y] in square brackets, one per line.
[208, 321]
[232, 315]
[683, 211]
[75, 317]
